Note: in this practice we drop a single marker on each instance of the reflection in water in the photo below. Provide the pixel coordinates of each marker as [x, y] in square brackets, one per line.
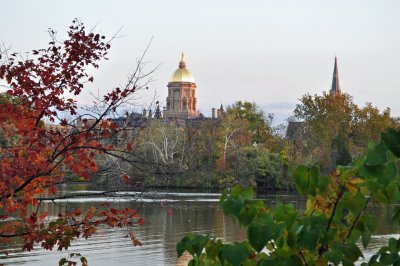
[168, 216]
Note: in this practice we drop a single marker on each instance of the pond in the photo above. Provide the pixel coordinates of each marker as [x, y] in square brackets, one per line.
[168, 216]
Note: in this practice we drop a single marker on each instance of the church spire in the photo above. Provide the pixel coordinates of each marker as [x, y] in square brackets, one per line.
[335, 89]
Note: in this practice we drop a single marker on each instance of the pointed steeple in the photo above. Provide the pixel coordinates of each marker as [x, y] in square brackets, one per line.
[335, 89]
[158, 111]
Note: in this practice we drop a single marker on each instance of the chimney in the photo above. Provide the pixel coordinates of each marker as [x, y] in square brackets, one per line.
[213, 113]
[219, 114]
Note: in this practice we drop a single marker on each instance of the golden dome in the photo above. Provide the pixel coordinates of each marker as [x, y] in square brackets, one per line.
[182, 74]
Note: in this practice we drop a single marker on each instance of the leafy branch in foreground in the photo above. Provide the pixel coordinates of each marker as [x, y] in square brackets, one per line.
[35, 158]
[328, 232]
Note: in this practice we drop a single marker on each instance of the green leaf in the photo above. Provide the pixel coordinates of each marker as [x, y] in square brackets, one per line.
[194, 244]
[373, 259]
[372, 184]
[306, 179]
[391, 138]
[355, 236]
[213, 248]
[334, 256]
[370, 221]
[378, 175]
[323, 182]
[301, 179]
[244, 193]
[232, 206]
[198, 243]
[235, 254]
[389, 174]
[247, 214]
[392, 191]
[381, 197]
[267, 261]
[291, 239]
[308, 239]
[351, 252]
[259, 234]
[389, 259]
[354, 203]
[373, 176]
[396, 215]
[388, 195]
[285, 213]
[248, 193]
[181, 246]
[365, 238]
[84, 260]
[376, 154]
[295, 260]
[394, 245]
[62, 262]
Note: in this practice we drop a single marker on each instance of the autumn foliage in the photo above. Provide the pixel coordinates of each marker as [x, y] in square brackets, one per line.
[36, 157]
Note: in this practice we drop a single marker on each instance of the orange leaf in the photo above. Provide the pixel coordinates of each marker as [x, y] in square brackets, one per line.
[53, 190]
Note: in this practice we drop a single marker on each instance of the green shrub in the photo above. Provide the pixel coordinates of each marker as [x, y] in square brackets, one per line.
[327, 232]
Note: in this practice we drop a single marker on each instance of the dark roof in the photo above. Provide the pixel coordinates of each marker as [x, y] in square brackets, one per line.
[294, 129]
[132, 120]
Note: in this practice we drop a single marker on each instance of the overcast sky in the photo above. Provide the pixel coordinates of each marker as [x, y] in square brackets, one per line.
[269, 52]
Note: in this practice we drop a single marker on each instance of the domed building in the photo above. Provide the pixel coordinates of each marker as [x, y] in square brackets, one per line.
[181, 100]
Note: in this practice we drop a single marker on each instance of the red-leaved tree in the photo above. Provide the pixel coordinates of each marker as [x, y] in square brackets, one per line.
[36, 156]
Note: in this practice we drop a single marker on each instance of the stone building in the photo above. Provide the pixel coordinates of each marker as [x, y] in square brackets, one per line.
[181, 100]
[181, 105]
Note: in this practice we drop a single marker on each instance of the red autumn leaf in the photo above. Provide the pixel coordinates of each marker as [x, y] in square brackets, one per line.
[129, 147]
[125, 178]
[33, 218]
[43, 215]
[53, 190]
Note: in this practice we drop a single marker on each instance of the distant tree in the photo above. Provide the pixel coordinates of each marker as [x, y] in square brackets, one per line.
[335, 129]
[233, 135]
[259, 125]
[265, 168]
[164, 145]
[368, 124]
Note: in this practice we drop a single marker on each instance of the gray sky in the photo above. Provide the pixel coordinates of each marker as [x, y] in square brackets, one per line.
[269, 52]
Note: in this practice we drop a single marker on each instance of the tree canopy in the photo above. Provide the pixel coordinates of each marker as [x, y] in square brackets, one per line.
[36, 157]
[335, 129]
[258, 123]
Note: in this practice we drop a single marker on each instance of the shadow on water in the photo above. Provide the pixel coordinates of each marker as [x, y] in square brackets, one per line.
[168, 216]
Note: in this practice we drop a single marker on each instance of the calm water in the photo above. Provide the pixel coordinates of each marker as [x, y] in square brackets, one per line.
[168, 216]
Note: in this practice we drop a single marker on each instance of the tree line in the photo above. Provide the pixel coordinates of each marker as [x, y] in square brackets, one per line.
[244, 147]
